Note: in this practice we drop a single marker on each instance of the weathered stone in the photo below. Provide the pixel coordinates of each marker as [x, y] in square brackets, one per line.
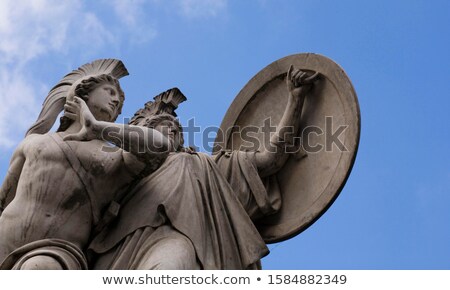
[132, 197]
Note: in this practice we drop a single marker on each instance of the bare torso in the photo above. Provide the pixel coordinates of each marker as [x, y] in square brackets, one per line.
[51, 201]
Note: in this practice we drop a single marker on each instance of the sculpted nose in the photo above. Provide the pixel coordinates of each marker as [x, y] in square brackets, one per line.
[172, 130]
[115, 99]
[114, 96]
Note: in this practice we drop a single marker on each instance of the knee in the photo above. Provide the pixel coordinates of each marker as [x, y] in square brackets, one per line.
[171, 254]
[41, 263]
[181, 249]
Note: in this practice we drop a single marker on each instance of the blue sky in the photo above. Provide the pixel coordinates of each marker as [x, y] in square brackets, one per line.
[394, 212]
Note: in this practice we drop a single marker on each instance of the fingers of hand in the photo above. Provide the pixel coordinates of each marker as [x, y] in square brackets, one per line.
[71, 110]
[289, 73]
[68, 137]
[300, 78]
[71, 107]
[79, 101]
[312, 78]
[70, 115]
[80, 136]
[289, 76]
[82, 107]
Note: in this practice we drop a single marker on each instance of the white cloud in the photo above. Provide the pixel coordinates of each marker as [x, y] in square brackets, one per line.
[92, 33]
[19, 106]
[129, 12]
[30, 30]
[134, 16]
[62, 31]
[202, 8]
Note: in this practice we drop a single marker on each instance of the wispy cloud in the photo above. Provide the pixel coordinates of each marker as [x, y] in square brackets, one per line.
[92, 32]
[29, 31]
[19, 103]
[65, 31]
[133, 14]
[32, 28]
[202, 8]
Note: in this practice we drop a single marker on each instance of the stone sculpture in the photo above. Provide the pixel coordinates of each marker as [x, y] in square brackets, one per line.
[98, 197]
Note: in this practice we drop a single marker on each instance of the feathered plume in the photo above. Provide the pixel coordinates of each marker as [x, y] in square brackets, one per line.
[164, 103]
[56, 98]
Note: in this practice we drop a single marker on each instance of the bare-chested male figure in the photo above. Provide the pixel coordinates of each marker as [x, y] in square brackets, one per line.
[63, 182]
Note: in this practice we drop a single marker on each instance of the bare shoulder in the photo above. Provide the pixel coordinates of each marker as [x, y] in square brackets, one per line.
[36, 143]
[28, 141]
[32, 138]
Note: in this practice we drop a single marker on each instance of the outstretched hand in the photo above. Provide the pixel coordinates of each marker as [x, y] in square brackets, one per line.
[78, 111]
[299, 82]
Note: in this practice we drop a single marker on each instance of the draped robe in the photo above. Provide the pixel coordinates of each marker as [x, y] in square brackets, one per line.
[211, 200]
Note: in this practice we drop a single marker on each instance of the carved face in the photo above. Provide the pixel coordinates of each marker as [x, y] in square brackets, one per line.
[104, 102]
[171, 131]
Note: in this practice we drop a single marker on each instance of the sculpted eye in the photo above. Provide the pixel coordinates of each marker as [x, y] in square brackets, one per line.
[111, 91]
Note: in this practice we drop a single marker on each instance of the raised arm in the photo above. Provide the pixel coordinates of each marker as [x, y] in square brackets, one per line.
[271, 160]
[9, 186]
[140, 141]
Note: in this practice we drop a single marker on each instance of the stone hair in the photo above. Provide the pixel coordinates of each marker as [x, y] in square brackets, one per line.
[153, 121]
[83, 89]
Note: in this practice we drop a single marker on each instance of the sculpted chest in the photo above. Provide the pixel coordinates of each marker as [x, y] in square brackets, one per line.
[96, 157]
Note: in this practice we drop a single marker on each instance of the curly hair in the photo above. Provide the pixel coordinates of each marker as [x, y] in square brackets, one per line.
[86, 86]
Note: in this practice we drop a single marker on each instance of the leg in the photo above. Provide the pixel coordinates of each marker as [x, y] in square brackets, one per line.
[47, 254]
[41, 263]
[167, 249]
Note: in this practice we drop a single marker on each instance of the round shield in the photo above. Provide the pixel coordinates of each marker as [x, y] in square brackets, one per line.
[324, 150]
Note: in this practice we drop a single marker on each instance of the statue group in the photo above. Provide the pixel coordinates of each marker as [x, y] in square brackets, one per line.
[97, 194]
